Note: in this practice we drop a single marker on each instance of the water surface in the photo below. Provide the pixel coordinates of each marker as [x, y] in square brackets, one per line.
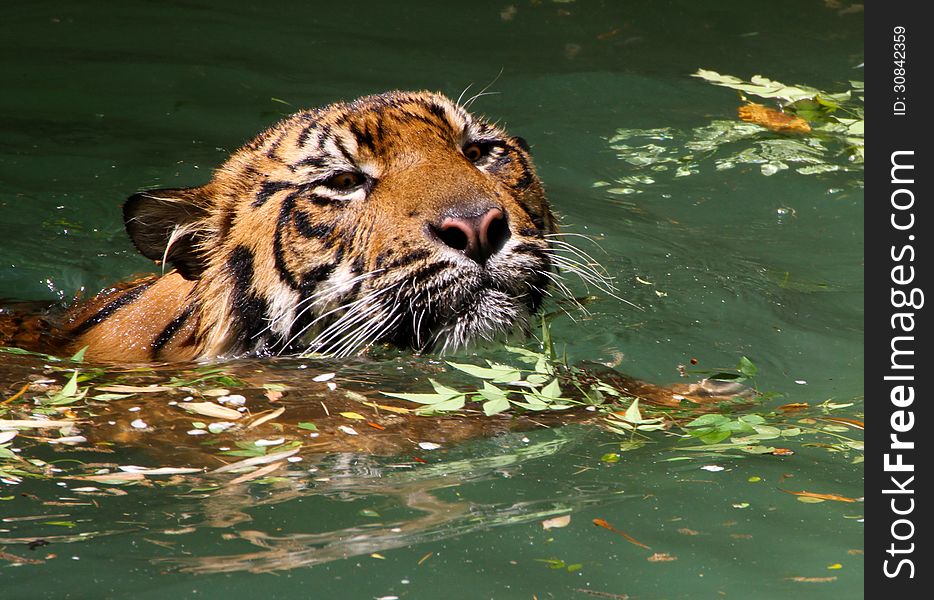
[101, 101]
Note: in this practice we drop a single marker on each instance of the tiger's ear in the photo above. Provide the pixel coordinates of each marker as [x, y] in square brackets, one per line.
[167, 226]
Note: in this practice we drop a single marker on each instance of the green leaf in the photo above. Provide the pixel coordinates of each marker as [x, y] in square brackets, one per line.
[498, 373]
[79, 355]
[553, 563]
[443, 390]
[495, 406]
[633, 444]
[449, 405]
[708, 420]
[532, 402]
[419, 398]
[543, 367]
[552, 390]
[746, 367]
[633, 415]
[714, 437]
[525, 355]
[71, 387]
[491, 392]
[547, 342]
[765, 432]
[14, 350]
[68, 524]
[758, 86]
[308, 425]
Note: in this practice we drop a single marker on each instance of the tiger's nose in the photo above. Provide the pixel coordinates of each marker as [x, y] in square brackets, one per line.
[476, 236]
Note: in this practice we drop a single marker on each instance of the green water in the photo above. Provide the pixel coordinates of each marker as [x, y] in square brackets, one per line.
[101, 100]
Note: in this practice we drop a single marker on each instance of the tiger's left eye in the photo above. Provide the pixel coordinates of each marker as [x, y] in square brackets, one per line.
[345, 181]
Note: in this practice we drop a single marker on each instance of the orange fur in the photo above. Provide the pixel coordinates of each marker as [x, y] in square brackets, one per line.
[279, 253]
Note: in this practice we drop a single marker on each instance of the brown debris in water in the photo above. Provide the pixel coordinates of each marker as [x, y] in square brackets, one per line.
[772, 119]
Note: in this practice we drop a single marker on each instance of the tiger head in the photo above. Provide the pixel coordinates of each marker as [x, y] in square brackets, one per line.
[397, 218]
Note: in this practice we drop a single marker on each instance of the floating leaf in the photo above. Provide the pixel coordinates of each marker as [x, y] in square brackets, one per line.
[353, 415]
[661, 557]
[759, 86]
[834, 497]
[557, 522]
[495, 406]
[747, 368]
[210, 409]
[496, 373]
[257, 460]
[134, 389]
[259, 420]
[772, 119]
[34, 424]
[449, 405]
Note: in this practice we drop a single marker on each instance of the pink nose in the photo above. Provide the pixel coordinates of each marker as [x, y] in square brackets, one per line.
[477, 237]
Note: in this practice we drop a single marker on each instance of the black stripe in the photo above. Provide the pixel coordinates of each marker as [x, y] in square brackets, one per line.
[308, 229]
[306, 132]
[364, 138]
[314, 276]
[249, 309]
[379, 128]
[499, 164]
[317, 200]
[273, 147]
[383, 257]
[317, 162]
[438, 111]
[344, 151]
[424, 273]
[323, 137]
[407, 259]
[442, 130]
[310, 281]
[530, 232]
[527, 179]
[226, 223]
[277, 249]
[171, 329]
[268, 188]
[534, 250]
[113, 306]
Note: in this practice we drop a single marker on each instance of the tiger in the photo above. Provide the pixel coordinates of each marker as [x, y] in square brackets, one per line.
[398, 218]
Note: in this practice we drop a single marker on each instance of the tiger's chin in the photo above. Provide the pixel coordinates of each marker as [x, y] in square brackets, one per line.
[491, 316]
[487, 314]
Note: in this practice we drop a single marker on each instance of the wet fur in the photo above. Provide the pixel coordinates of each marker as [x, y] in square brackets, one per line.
[267, 258]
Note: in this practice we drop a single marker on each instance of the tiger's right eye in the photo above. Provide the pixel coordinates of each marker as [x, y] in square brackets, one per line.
[345, 181]
[474, 151]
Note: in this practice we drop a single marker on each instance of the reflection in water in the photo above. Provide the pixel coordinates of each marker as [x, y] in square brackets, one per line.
[348, 477]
